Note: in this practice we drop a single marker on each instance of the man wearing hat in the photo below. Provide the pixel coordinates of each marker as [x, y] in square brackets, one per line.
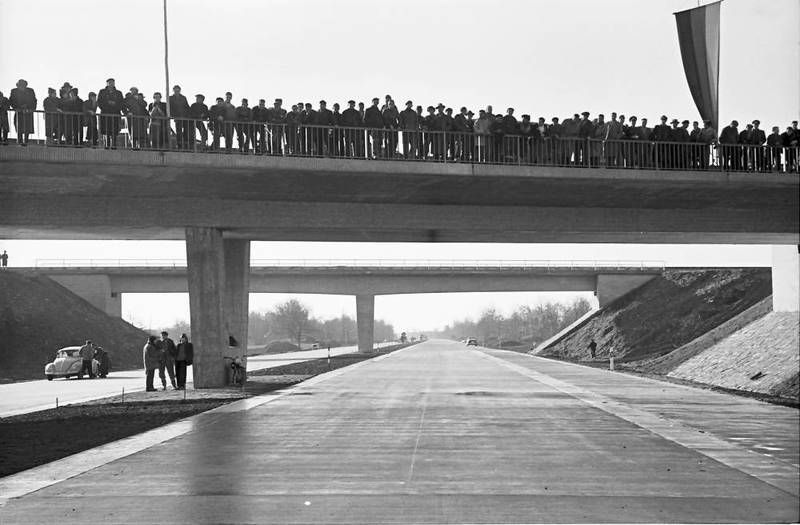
[409, 123]
[791, 139]
[462, 134]
[73, 109]
[774, 149]
[259, 128]
[351, 119]
[661, 134]
[244, 127]
[136, 111]
[373, 120]
[216, 122]
[323, 133]
[199, 113]
[729, 139]
[3, 120]
[51, 105]
[22, 99]
[276, 117]
[585, 132]
[111, 102]
[391, 122]
[745, 147]
[757, 140]
[179, 111]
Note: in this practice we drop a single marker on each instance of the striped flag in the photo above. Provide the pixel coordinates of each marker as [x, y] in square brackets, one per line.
[698, 35]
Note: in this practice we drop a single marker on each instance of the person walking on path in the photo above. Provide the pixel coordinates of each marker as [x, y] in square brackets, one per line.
[152, 360]
[4, 259]
[593, 348]
[168, 353]
[87, 354]
[183, 358]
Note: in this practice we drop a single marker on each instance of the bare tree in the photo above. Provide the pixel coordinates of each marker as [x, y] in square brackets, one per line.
[292, 318]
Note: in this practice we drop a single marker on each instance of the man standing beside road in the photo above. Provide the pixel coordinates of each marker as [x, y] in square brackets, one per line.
[87, 353]
[168, 353]
[183, 358]
[152, 360]
[4, 259]
[593, 348]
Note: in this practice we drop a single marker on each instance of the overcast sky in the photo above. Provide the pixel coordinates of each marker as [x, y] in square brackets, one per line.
[546, 58]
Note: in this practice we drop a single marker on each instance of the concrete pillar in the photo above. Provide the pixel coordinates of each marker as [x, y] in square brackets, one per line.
[365, 319]
[786, 278]
[95, 289]
[613, 286]
[205, 265]
[237, 293]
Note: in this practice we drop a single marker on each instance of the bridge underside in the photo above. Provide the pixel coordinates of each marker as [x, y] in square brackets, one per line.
[218, 203]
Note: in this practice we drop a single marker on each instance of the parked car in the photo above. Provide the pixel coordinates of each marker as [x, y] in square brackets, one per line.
[472, 342]
[68, 362]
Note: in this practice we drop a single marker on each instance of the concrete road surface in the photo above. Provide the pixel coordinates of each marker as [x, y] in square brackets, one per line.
[30, 396]
[439, 433]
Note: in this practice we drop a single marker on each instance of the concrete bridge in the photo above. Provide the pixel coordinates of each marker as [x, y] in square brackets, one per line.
[219, 203]
[103, 286]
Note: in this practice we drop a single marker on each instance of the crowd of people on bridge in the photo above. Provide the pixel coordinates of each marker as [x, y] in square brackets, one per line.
[383, 130]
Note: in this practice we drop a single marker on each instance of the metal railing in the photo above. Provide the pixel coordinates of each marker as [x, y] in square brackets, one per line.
[296, 139]
[362, 263]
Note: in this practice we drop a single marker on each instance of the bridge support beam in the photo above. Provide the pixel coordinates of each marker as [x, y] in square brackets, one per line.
[365, 319]
[786, 278]
[95, 289]
[610, 287]
[218, 278]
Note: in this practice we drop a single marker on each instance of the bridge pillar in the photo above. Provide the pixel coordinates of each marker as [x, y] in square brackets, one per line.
[95, 289]
[786, 278]
[365, 319]
[218, 278]
[610, 287]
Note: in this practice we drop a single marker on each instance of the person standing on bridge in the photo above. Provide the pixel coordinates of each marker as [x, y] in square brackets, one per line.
[151, 356]
[179, 108]
[199, 113]
[168, 354]
[111, 102]
[23, 101]
[4, 105]
[183, 358]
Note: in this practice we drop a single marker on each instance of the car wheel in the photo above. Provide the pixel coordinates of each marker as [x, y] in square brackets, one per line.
[49, 377]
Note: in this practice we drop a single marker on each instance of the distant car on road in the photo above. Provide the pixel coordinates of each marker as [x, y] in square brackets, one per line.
[472, 342]
[68, 362]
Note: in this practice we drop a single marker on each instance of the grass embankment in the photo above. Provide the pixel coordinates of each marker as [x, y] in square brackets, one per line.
[29, 440]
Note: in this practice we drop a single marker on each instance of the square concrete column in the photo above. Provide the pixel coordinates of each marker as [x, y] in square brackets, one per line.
[237, 293]
[205, 265]
[365, 319]
[785, 278]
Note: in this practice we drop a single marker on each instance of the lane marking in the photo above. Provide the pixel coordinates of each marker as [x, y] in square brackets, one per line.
[37, 478]
[770, 470]
[419, 431]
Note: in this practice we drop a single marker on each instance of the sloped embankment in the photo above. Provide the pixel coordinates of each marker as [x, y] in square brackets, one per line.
[665, 314]
[38, 316]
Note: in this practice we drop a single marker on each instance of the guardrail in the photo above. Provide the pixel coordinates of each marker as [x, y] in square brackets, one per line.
[145, 132]
[360, 263]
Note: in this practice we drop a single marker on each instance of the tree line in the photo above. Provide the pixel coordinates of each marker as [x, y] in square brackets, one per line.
[526, 325]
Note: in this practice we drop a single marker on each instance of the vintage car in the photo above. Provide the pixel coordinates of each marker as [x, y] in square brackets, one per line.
[472, 342]
[67, 363]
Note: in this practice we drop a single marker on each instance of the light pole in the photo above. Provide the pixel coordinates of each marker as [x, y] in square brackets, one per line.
[166, 59]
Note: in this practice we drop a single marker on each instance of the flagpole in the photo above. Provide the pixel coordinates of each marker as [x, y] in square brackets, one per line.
[166, 59]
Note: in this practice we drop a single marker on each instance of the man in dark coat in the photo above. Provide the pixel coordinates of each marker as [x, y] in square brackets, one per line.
[276, 117]
[409, 123]
[229, 117]
[791, 140]
[23, 101]
[373, 120]
[322, 133]
[199, 113]
[337, 135]
[661, 135]
[462, 135]
[183, 358]
[168, 354]
[151, 356]
[73, 110]
[4, 105]
[52, 108]
[244, 128]
[746, 148]
[135, 109]
[585, 132]
[260, 117]
[111, 102]
[729, 139]
[159, 126]
[391, 122]
[757, 140]
[774, 149]
[351, 120]
[293, 119]
[216, 122]
[179, 111]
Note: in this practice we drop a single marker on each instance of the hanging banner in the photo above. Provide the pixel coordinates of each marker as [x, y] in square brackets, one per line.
[698, 36]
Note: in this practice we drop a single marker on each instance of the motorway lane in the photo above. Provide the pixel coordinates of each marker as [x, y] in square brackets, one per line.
[30, 396]
[436, 433]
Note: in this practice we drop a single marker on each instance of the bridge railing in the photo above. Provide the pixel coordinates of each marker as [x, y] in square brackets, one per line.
[364, 263]
[298, 139]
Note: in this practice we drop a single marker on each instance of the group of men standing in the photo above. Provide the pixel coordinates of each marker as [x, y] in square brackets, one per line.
[165, 356]
[378, 131]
